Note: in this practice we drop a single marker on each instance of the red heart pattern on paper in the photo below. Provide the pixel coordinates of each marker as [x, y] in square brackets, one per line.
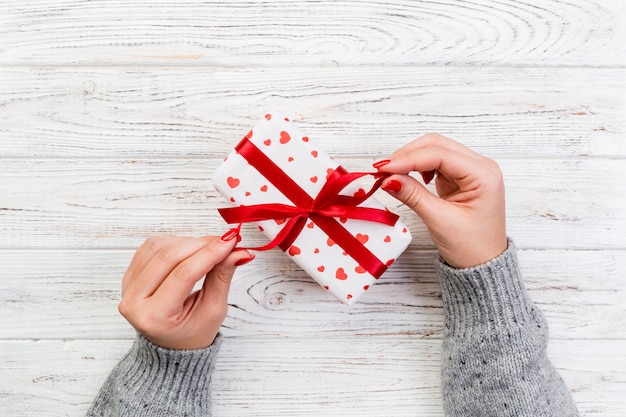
[232, 199]
[341, 274]
[261, 228]
[284, 137]
[355, 277]
[233, 182]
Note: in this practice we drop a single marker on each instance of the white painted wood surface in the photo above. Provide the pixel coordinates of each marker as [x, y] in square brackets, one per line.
[113, 116]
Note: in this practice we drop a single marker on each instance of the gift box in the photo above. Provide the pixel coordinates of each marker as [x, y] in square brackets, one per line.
[310, 207]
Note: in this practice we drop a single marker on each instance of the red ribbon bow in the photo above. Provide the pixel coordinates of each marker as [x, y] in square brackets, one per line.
[322, 210]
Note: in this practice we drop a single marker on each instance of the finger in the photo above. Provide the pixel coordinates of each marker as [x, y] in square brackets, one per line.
[163, 263]
[144, 254]
[217, 283]
[456, 166]
[407, 189]
[434, 139]
[210, 304]
[175, 289]
[425, 142]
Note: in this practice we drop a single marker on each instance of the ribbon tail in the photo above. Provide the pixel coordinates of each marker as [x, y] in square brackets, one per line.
[245, 214]
[285, 237]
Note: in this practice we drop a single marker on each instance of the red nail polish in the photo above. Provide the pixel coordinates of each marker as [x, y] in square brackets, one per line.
[392, 186]
[381, 163]
[428, 176]
[230, 235]
[245, 260]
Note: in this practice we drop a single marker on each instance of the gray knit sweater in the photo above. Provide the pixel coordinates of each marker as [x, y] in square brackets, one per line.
[494, 357]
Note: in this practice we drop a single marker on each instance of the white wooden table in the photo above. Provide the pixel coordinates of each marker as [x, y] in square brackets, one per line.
[114, 115]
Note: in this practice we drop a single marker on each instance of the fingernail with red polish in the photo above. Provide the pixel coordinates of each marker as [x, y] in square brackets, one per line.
[392, 186]
[230, 235]
[428, 176]
[381, 163]
[245, 260]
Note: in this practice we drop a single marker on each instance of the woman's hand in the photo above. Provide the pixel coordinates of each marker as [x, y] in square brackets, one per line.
[157, 297]
[467, 220]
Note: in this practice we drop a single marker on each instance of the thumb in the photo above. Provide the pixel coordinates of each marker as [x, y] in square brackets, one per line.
[407, 189]
[217, 282]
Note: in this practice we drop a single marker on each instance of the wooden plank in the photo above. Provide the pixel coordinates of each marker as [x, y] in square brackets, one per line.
[293, 377]
[74, 294]
[313, 33]
[113, 117]
[76, 203]
[194, 112]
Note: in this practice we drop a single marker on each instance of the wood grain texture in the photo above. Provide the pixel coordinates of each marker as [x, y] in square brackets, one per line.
[270, 376]
[111, 203]
[114, 114]
[314, 33]
[186, 112]
[50, 295]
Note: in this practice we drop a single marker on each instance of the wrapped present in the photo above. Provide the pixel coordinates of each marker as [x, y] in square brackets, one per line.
[310, 207]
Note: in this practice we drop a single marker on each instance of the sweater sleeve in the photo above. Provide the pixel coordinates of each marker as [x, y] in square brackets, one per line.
[154, 381]
[494, 351]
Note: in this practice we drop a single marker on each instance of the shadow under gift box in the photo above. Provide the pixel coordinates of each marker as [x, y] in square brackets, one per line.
[314, 250]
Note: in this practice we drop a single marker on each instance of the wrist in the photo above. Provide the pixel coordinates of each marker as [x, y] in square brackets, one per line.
[155, 375]
[470, 254]
[486, 299]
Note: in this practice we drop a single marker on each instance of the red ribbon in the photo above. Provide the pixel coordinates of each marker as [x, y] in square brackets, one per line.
[322, 210]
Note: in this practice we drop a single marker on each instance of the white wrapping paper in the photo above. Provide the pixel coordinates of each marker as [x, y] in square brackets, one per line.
[313, 250]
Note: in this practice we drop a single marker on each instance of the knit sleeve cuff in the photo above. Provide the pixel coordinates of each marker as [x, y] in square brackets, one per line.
[172, 381]
[486, 299]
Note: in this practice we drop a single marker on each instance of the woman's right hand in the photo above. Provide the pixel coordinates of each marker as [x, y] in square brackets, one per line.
[467, 219]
